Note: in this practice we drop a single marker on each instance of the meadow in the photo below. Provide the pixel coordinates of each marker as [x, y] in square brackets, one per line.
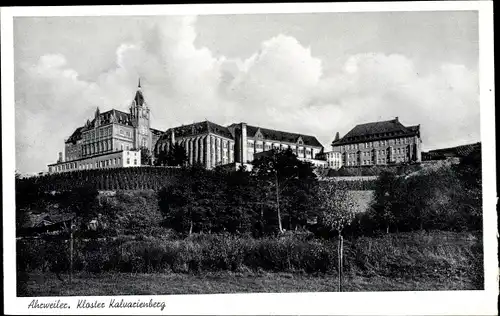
[227, 264]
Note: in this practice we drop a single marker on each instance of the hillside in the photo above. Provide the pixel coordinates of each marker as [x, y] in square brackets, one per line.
[136, 178]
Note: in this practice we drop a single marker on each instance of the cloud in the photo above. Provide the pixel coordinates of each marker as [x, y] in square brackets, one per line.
[282, 85]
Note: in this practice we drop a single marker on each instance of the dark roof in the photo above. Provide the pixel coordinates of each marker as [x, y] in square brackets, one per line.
[458, 151]
[46, 219]
[378, 131]
[155, 131]
[77, 135]
[139, 98]
[199, 128]
[281, 136]
[110, 116]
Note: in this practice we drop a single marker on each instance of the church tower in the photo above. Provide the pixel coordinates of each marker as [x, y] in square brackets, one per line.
[139, 114]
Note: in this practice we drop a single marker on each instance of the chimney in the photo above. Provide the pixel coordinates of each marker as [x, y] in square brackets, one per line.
[396, 119]
[337, 136]
[60, 157]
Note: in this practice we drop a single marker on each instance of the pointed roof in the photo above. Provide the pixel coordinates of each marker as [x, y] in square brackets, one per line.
[139, 98]
[377, 131]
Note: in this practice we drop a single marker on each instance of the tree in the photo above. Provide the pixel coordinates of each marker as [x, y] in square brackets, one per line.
[176, 156]
[282, 172]
[385, 200]
[192, 202]
[82, 202]
[242, 202]
[337, 211]
[470, 193]
[145, 156]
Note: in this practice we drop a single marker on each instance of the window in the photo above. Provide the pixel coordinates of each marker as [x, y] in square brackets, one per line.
[128, 161]
[135, 161]
[114, 161]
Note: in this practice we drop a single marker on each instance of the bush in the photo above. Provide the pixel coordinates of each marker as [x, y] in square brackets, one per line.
[434, 254]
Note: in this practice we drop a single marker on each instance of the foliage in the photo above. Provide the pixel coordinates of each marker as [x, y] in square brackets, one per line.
[398, 169]
[437, 255]
[447, 198]
[145, 156]
[337, 206]
[291, 181]
[175, 156]
[387, 203]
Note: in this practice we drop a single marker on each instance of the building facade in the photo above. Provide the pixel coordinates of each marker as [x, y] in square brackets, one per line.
[212, 145]
[114, 139]
[205, 143]
[117, 159]
[112, 133]
[379, 143]
[333, 159]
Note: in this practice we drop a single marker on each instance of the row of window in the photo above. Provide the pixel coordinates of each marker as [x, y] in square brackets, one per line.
[334, 164]
[380, 161]
[267, 147]
[378, 143]
[100, 132]
[98, 164]
[380, 152]
[101, 147]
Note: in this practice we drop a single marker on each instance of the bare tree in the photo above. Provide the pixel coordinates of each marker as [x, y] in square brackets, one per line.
[338, 209]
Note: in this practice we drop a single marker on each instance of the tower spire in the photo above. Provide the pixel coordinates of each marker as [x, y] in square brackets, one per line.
[139, 98]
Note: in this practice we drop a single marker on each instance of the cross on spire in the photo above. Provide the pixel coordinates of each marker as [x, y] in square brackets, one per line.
[139, 85]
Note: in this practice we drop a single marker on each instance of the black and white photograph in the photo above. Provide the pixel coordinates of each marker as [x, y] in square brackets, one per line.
[189, 155]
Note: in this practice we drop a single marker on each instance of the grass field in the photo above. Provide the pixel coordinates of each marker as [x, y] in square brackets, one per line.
[85, 284]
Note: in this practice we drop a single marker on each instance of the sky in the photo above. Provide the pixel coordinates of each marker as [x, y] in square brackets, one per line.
[315, 73]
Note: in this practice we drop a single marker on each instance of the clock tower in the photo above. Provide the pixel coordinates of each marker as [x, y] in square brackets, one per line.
[139, 113]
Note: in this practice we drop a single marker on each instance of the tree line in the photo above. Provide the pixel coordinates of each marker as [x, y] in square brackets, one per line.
[281, 193]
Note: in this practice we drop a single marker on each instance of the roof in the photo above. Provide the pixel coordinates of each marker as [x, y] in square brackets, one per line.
[77, 135]
[199, 128]
[281, 136]
[458, 151]
[46, 219]
[155, 131]
[377, 131]
[139, 98]
[111, 116]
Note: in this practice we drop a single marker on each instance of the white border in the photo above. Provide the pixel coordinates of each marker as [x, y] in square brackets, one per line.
[366, 303]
